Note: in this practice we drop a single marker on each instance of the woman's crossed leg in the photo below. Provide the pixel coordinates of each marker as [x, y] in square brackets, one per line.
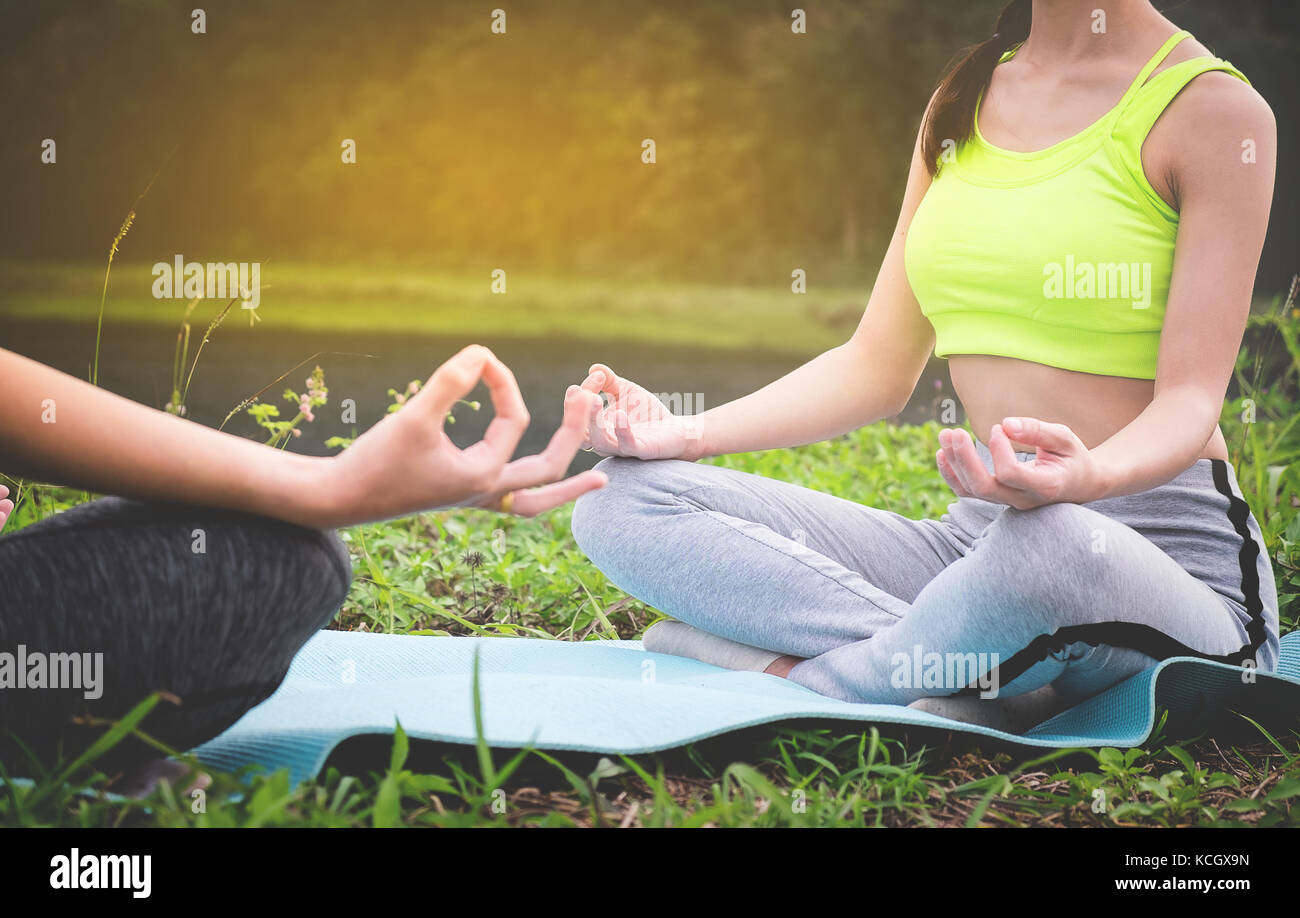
[987, 599]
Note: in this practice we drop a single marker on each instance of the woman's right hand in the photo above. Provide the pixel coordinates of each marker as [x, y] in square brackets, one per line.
[635, 422]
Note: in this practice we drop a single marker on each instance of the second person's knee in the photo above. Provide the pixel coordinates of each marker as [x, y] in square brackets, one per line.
[325, 569]
[301, 576]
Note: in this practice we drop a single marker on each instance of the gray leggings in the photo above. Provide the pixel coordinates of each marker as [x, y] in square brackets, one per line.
[209, 606]
[986, 599]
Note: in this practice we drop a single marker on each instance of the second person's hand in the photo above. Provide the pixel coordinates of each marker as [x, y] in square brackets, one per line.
[406, 463]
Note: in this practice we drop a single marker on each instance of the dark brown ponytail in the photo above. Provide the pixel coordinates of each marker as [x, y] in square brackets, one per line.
[952, 114]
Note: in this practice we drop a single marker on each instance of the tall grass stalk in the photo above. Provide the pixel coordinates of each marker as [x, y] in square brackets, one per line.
[125, 228]
[207, 336]
[177, 404]
[103, 296]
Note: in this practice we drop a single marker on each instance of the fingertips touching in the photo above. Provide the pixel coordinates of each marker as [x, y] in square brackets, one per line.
[469, 362]
[1042, 434]
[600, 378]
[454, 379]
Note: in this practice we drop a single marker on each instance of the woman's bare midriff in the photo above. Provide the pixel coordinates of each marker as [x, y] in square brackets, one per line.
[1094, 407]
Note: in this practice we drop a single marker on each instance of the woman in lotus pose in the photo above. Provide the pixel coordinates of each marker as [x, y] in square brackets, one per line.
[1079, 237]
[223, 562]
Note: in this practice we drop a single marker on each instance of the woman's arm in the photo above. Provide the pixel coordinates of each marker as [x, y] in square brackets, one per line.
[1223, 204]
[54, 427]
[1195, 152]
[868, 378]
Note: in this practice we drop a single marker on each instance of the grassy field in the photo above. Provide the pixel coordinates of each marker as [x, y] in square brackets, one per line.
[448, 573]
[425, 301]
[350, 297]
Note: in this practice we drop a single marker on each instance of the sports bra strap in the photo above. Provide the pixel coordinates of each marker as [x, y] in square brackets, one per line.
[1150, 66]
[1146, 106]
[1130, 129]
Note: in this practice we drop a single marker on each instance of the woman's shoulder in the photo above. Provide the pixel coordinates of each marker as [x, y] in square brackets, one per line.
[1201, 122]
[1218, 90]
[1215, 106]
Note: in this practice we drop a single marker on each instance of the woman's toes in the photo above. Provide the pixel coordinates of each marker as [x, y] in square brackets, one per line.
[1014, 714]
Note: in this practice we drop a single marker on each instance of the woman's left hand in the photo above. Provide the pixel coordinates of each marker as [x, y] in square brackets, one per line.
[1063, 471]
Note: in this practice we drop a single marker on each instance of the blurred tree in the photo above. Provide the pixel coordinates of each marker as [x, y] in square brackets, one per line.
[477, 150]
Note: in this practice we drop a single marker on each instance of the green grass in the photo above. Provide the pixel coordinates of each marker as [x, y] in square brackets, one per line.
[472, 572]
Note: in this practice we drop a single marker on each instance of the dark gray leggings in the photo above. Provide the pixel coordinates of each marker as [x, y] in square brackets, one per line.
[207, 605]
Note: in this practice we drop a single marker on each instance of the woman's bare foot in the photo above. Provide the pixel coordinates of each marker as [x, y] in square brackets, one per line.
[683, 640]
[1014, 714]
[144, 780]
[6, 506]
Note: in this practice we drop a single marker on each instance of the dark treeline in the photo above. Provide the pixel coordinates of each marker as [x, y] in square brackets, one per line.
[773, 149]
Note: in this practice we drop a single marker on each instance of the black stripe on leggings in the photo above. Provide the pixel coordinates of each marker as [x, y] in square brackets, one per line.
[1239, 514]
[1143, 638]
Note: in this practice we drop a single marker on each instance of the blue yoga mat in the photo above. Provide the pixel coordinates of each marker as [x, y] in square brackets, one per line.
[615, 697]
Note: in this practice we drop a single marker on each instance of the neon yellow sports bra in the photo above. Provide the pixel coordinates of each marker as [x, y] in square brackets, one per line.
[1060, 256]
